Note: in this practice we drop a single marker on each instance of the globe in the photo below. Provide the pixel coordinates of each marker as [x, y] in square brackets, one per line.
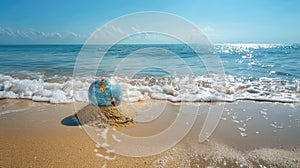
[105, 92]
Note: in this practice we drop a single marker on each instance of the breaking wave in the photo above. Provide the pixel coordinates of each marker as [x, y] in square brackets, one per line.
[204, 88]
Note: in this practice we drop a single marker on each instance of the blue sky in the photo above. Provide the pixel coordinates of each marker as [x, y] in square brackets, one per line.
[232, 21]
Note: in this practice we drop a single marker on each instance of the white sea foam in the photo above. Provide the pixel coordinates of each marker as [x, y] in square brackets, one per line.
[236, 121]
[176, 89]
[104, 133]
[234, 117]
[56, 91]
[11, 111]
[115, 138]
[242, 129]
[275, 125]
[263, 113]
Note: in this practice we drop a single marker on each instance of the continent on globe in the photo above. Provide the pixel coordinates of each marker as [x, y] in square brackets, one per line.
[105, 92]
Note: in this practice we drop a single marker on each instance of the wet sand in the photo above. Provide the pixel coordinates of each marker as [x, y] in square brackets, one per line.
[249, 134]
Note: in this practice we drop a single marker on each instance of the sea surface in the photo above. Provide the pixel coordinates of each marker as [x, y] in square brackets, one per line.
[174, 72]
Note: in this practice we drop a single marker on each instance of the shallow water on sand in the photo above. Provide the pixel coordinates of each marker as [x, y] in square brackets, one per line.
[249, 134]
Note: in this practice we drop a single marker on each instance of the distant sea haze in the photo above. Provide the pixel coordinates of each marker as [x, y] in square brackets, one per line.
[267, 72]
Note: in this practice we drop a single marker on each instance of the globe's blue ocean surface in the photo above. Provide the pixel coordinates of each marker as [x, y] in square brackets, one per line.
[105, 92]
[174, 72]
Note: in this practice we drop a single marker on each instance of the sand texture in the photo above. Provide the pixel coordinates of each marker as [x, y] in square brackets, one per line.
[104, 116]
[48, 135]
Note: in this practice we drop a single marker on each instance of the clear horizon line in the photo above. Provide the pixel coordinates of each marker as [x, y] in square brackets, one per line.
[217, 43]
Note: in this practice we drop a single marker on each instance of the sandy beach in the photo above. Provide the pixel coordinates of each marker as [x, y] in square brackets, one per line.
[111, 84]
[47, 135]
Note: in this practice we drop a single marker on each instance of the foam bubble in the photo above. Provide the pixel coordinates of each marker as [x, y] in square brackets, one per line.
[236, 121]
[263, 113]
[275, 125]
[11, 111]
[115, 138]
[242, 129]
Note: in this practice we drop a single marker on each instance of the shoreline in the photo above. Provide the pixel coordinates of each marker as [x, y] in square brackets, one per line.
[44, 135]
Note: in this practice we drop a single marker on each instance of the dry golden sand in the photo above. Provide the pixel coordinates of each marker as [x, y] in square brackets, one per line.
[36, 138]
[39, 136]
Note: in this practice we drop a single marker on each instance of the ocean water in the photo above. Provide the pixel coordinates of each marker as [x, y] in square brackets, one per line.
[174, 72]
